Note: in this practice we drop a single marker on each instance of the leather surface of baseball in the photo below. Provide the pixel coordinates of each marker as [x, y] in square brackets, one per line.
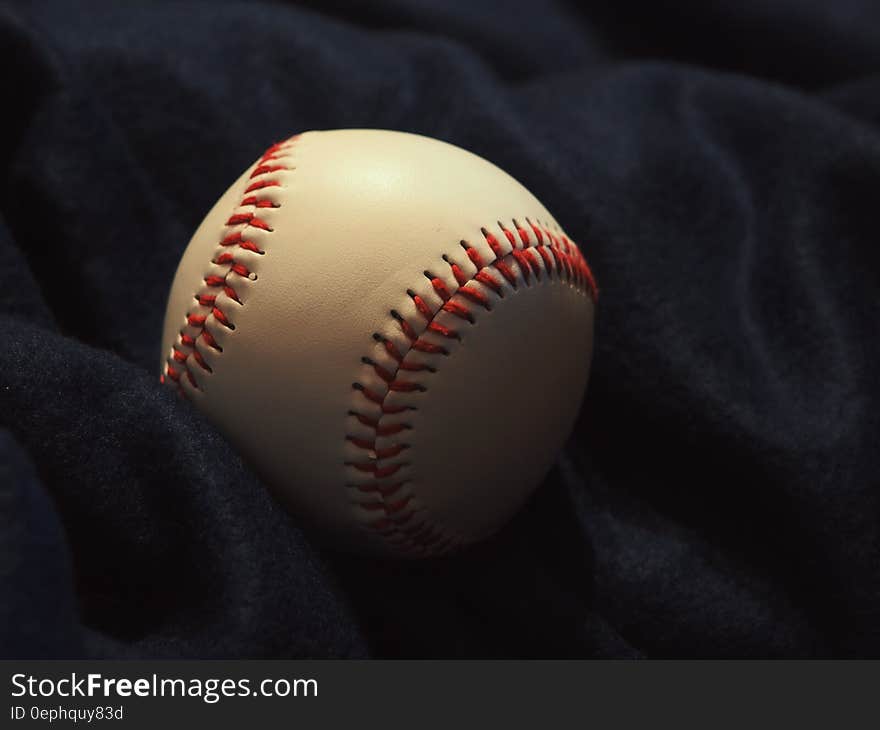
[392, 331]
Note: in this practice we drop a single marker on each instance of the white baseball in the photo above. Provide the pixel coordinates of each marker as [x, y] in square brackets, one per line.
[393, 332]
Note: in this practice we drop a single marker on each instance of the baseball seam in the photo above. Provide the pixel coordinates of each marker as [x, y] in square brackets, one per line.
[385, 501]
[226, 270]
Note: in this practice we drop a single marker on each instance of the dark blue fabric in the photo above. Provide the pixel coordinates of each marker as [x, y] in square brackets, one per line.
[718, 162]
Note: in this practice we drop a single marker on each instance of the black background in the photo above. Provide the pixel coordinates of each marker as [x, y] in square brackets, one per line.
[719, 164]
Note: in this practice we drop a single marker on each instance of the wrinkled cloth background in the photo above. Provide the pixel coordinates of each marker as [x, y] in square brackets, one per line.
[719, 164]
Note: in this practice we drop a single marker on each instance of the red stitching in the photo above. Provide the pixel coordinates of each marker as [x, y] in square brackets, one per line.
[186, 349]
[519, 266]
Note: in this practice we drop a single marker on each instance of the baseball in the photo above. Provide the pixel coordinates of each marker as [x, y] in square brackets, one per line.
[393, 332]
